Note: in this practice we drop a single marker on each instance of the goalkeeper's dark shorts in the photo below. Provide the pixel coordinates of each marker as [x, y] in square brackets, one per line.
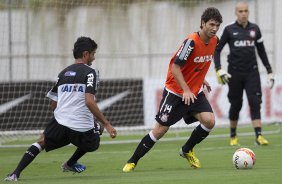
[250, 82]
[57, 136]
[172, 109]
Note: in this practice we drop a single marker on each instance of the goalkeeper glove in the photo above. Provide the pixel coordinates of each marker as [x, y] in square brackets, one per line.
[270, 80]
[222, 76]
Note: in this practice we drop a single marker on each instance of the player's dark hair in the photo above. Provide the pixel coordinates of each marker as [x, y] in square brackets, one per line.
[211, 13]
[83, 44]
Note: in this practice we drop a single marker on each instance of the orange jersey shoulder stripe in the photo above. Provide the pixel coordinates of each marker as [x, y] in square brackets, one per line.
[196, 67]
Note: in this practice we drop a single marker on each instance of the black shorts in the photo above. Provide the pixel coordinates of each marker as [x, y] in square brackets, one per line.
[57, 136]
[250, 82]
[172, 109]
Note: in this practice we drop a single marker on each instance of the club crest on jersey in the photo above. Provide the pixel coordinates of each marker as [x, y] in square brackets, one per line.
[252, 33]
[201, 59]
[72, 88]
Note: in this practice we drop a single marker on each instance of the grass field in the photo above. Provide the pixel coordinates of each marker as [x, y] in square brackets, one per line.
[161, 165]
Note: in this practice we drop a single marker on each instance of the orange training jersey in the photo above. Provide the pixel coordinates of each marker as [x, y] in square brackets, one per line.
[194, 57]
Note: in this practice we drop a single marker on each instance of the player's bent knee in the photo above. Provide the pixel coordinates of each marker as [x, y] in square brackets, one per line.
[208, 120]
[94, 148]
[235, 106]
[159, 131]
[210, 124]
[255, 100]
[41, 141]
[92, 144]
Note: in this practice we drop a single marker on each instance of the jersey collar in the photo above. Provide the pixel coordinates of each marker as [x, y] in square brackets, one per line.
[237, 23]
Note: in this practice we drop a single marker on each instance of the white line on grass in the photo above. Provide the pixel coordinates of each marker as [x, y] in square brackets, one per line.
[185, 138]
[163, 139]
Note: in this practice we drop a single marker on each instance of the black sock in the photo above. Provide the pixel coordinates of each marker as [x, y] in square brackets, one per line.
[27, 158]
[76, 155]
[233, 132]
[257, 131]
[197, 136]
[143, 147]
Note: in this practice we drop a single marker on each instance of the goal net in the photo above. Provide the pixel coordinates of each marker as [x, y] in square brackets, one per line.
[136, 39]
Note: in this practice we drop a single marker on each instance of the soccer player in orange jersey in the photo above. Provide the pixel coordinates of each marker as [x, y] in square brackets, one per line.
[183, 96]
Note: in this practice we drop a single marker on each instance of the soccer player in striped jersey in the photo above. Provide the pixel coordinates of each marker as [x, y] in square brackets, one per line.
[183, 96]
[73, 103]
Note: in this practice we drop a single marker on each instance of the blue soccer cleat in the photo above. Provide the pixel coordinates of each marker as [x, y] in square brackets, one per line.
[75, 168]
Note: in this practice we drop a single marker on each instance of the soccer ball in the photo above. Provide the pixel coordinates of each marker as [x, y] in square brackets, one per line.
[244, 158]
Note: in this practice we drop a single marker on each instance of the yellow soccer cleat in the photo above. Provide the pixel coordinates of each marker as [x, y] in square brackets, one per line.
[234, 141]
[129, 167]
[191, 158]
[261, 140]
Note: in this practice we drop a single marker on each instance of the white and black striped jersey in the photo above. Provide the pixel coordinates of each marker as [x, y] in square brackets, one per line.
[69, 92]
[242, 42]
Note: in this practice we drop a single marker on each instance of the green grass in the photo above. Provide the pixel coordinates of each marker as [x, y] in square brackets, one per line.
[161, 165]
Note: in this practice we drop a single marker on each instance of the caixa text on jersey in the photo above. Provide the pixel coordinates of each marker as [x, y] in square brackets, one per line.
[72, 88]
[201, 59]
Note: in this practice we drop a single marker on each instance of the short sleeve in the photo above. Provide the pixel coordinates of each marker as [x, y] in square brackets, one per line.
[53, 93]
[92, 80]
[184, 52]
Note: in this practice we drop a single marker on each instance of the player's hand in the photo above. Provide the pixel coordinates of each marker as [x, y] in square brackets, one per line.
[111, 130]
[99, 127]
[207, 85]
[188, 97]
[222, 76]
[270, 80]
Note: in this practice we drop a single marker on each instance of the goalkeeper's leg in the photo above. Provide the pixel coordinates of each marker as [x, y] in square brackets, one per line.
[253, 89]
[235, 97]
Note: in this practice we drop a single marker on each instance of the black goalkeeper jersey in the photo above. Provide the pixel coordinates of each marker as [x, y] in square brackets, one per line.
[69, 93]
[242, 43]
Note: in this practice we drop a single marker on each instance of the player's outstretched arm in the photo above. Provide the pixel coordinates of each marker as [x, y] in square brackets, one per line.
[93, 107]
[263, 56]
